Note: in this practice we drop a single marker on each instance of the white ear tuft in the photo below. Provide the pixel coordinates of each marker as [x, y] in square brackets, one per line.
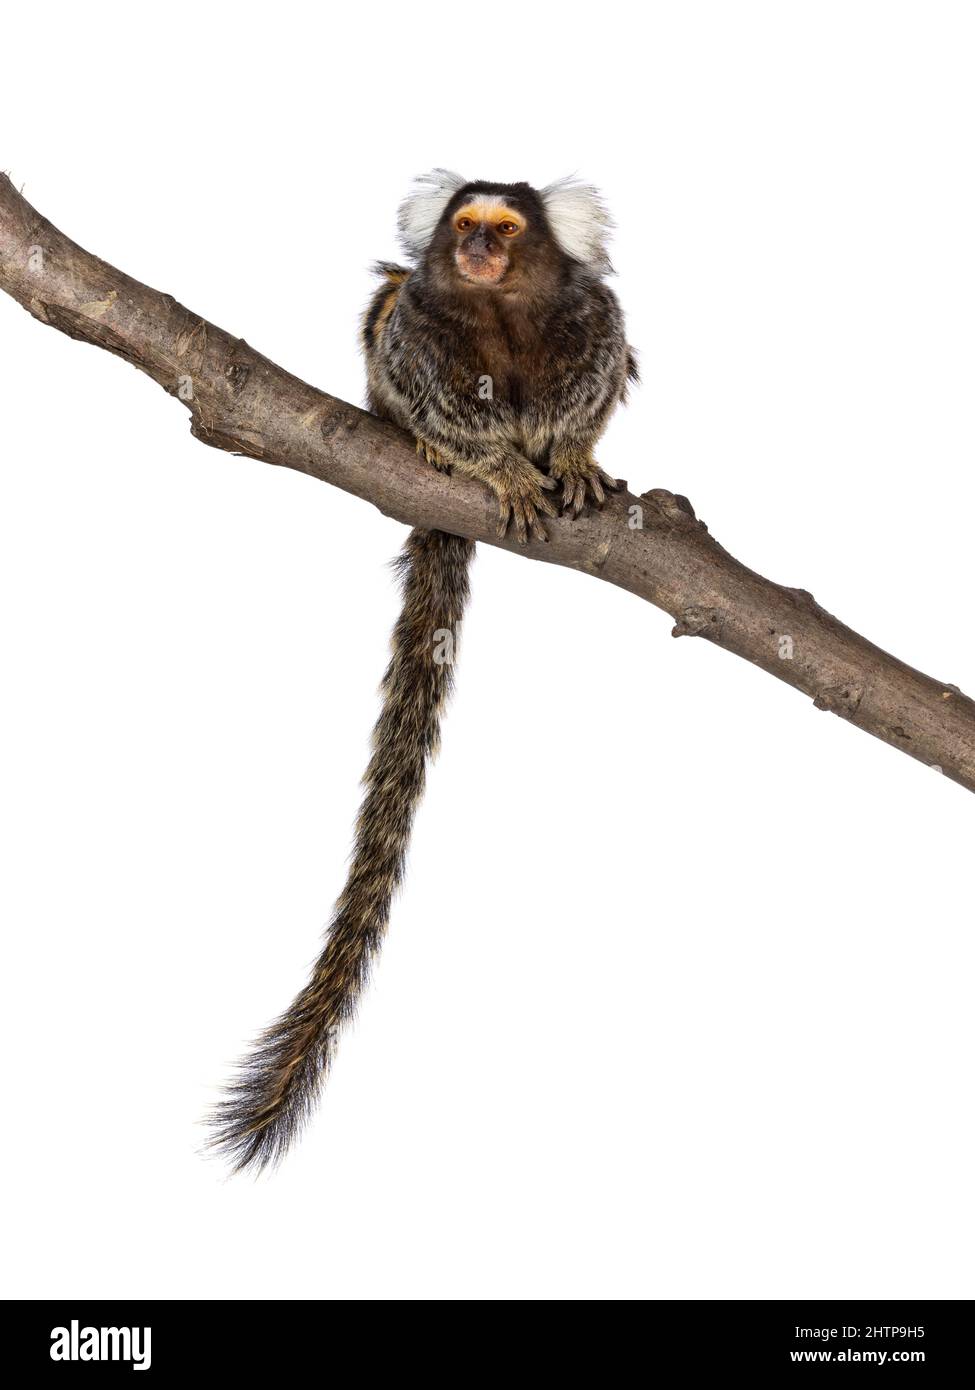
[421, 210]
[579, 220]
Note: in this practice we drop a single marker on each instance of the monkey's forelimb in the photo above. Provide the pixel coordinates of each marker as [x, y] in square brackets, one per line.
[275, 1089]
[520, 488]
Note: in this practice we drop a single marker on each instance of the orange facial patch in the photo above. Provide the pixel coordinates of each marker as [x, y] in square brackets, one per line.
[492, 211]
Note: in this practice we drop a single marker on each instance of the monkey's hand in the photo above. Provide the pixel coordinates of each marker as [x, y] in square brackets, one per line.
[583, 481]
[520, 489]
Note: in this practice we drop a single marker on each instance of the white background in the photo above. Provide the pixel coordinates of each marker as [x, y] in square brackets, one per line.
[677, 999]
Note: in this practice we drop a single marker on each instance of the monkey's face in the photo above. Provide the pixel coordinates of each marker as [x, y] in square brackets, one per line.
[493, 238]
[485, 231]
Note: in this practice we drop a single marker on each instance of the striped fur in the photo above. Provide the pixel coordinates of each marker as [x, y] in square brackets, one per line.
[273, 1094]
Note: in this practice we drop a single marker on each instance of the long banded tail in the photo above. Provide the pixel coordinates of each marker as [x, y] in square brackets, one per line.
[272, 1096]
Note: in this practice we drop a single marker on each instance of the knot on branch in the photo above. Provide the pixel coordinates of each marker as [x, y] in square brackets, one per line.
[802, 598]
[843, 699]
[954, 693]
[673, 507]
[236, 374]
[339, 421]
[700, 620]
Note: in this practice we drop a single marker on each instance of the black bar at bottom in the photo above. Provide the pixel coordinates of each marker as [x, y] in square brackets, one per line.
[757, 1340]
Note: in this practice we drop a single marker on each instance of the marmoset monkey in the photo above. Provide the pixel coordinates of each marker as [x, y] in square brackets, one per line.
[503, 353]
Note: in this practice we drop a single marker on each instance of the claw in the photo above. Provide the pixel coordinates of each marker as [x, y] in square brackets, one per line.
[537, 527]
[522, 495]
[432, 456]
[575, 497]
[583, 483]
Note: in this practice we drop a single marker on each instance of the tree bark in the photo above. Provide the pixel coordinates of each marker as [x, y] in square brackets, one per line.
[652, 544]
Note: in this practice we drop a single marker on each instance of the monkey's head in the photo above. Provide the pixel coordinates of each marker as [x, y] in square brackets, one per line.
[505, 237]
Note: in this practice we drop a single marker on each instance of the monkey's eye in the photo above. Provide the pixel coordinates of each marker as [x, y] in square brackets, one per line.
[508, 228]
[465, 224]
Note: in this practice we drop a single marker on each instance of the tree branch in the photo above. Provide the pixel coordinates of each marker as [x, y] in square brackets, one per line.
[651, 545]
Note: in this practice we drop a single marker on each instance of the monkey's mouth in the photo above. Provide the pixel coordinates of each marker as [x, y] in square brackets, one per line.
[485, 269]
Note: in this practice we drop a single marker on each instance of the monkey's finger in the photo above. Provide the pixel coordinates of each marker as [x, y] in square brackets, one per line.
[533, 522]
[546, 505]
[521, 522]
[516, 516]
[537, 525]
[597, 491]
[548, 483]
[610, 484]
[504, 516]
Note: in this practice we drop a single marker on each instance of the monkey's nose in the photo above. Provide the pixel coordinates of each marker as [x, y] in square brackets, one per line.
[478, 247]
